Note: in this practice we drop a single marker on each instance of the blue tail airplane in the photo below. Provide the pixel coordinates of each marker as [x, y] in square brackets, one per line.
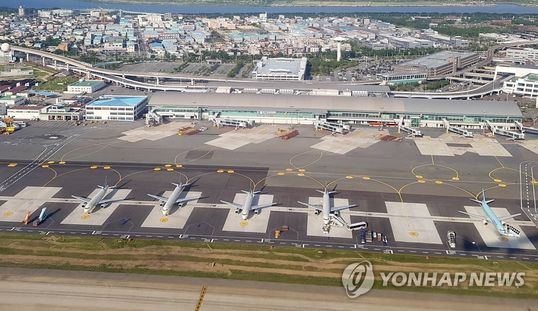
[502, 228]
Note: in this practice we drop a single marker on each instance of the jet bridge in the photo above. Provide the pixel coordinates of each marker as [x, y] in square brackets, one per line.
[153, 119]
[229, 122]
[526, 129]
[495, 130]
[340, 222]
[333, 127]
[408, 130]
[456, 130]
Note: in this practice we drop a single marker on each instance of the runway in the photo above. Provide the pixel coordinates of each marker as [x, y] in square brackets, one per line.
[81, 290]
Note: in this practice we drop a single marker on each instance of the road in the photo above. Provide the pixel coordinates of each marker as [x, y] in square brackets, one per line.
[32, 289]
[528, 182]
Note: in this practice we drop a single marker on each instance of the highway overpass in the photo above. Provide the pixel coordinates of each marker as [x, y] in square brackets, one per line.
[201, 84]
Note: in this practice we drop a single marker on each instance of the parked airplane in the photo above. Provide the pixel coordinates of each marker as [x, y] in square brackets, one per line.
[503, 228]
[331, 214]
[167, 203]
[88, 204]
[247, 207]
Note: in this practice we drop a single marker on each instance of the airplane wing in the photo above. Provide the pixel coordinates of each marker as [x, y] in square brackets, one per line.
[85, 200]
[256, 207]
[186, 200]
[509, 217]
[317, 207]
[158, 197]
[473, 215]
[110, 201]
[339, 208]
[234, 205]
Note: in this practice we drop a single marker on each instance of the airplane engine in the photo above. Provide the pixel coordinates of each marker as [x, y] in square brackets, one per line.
[317, 212]
[237, 211]
[485, 222]
[337, 214]
[102, 205]
[257, 211]
[161, 204]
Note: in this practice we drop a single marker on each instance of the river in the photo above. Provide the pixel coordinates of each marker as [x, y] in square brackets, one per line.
[231, 9]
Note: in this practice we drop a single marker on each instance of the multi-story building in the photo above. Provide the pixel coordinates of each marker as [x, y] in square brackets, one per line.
[524, 86]
[280, 69]
[116, 108]
[438, 64]
[522, 55]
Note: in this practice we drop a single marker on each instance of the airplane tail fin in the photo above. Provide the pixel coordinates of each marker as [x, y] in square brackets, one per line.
[477, 201]
[253, 192]
[181, 184]
[105, 186]
[484, 198]
[320, 191]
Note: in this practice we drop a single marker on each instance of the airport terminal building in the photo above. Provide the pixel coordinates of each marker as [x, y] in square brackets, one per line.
[296, 109]
[116, 108]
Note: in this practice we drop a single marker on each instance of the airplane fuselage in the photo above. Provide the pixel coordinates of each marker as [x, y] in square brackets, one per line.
[88, 208]
[499, 225]
[326, 207]
[245, 211]
[172, 200]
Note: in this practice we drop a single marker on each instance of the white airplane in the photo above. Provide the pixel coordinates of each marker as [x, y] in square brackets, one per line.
[89, 204]
[247, 207]
[167, 203]
[502, 228]
[331, 214]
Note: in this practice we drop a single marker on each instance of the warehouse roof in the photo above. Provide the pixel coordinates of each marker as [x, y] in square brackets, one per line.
[337, 103]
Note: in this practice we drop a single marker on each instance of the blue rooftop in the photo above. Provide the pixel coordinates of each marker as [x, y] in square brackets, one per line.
[118, 101]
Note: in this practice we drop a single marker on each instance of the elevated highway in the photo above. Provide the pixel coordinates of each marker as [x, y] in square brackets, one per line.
[171, 82]
[158, 81]
[490, 88]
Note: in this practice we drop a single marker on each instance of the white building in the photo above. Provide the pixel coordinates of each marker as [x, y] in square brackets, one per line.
[280, 69]
[26, 112]
[85, 86]
[62, 113]
[522, 55]
[116, 108]
[524, 86]
[518, 71]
